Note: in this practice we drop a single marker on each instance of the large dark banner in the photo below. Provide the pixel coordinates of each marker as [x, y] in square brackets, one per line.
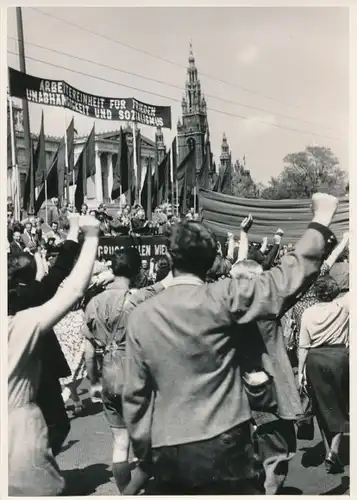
[150, 247]
[59, 93]
[223, 213]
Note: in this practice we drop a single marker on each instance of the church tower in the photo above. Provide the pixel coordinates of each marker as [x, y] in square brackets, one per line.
[191, 130]
[226, 156]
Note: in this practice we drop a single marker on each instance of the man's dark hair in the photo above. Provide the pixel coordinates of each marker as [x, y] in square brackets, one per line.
[21, 269]
[126, 262]
[163, 266]
[192, 248]
[326, 288]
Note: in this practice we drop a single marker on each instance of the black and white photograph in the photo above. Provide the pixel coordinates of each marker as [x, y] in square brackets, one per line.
[178, 265]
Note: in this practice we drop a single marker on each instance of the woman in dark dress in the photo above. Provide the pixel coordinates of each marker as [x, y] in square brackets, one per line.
[324, 364]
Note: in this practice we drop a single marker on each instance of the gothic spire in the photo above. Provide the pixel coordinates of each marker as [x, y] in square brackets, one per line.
[225, 153]
[194, 101]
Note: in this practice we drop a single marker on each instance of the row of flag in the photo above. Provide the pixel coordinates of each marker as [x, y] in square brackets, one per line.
[169, 180]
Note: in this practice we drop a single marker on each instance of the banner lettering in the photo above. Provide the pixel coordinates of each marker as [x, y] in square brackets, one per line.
[150, 247]
[58, 93]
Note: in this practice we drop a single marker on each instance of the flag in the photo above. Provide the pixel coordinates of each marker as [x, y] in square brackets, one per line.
[39, 162]
[144, 193]
[70, 153]
[203, 176]
[217, 184]
[85, 167]
[37, 168]
[26, 203]
[138, 161]
[70, 145]
[226, 185]
[186, 177]
[174, 160]
[51, 179]
[131, 179]
[121, 170]
[161, 190]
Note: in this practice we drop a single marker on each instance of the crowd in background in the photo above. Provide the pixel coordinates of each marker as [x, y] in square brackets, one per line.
[128, 221]
[292, 315]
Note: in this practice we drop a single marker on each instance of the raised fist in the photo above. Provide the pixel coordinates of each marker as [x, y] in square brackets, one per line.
[324, 207]
[247, 223]
[277, 238]
[89, 225]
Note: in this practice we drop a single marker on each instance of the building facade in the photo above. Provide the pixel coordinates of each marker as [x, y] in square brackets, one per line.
[107, 146]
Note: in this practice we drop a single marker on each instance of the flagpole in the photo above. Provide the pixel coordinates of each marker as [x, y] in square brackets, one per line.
[172, 179]
[25, 108]
[46, 201]
[177, 199]
[14, 170]
[137, 187]
[149, 208]
[66, 156]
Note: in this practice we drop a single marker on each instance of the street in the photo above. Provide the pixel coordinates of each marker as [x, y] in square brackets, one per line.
[85, 460]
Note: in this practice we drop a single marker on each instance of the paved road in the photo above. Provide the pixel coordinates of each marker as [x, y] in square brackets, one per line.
[85, 461]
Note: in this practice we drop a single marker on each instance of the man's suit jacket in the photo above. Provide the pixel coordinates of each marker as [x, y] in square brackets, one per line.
[17, 247]
[184, 350]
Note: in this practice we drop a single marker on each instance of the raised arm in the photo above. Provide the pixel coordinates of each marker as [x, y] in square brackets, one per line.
[73, 289]
[271, 293]
[264, 245]
[231, 246]
[273, 252]
[37, 293]
[244, 242]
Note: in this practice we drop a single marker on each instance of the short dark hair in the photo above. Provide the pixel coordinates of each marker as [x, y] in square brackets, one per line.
[21, 268]
[192, 248]
[326, 288]
[163, 266]
[126, 262]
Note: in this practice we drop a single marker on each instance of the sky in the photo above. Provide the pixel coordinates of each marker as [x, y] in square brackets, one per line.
[275, 79]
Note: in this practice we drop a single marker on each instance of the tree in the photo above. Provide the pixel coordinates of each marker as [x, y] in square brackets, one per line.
[243, 185]
[305, 173]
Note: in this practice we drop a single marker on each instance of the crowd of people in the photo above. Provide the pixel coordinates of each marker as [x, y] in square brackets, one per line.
[203, 361]
[128, 221]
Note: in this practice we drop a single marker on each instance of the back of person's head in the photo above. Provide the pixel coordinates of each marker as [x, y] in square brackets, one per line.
[221, 269]
[21, 269]
[163, 267]
[126, 263]
[326, 288]
[247, 268]
[192, 248]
